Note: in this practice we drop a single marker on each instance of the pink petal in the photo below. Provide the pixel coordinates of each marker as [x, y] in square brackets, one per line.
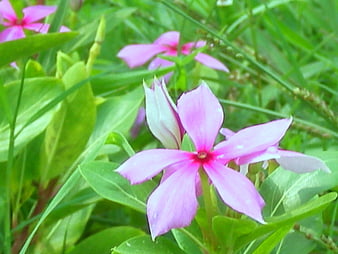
[12, 33]
[300, 163]
[253, 139]
[37, 27]
[159, 62]
[64, 29]
[268, 154]
[37, 12]
[162, 117]
[138, 54]
[236, 190]
[7, 11]
[186, 48]
[211, 62]
[173, 204]
[201, 115]
[170, 38]
[227, 133]
[146, 164]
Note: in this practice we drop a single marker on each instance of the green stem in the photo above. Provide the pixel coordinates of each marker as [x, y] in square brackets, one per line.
[210, 210]
[8, 173]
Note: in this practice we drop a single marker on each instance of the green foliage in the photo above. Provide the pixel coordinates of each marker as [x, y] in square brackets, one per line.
[114, 187]
[66, 119]
[143, 244]
[18, 49]
[43, 90]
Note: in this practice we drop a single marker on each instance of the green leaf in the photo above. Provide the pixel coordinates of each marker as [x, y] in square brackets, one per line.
[61, 234]
[144, 245]
[87, 32]
[37, 93]
[272, 240]
[103, 241]
[68, 133]
[13, 50]
[190, 239]
[227, 229]
[112, 186]
[284, 190]
[34, 69]
[310, 208]
[67, 188]
[117, 114]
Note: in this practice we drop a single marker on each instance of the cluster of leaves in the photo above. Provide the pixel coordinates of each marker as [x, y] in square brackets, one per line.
[65, 124]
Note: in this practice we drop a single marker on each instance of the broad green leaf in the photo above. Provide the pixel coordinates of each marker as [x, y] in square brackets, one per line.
[144, 245]
[37, 93]
[117, 114]
[103, 241]
[68, 133]
[310, 208]
[13, 50]
[284, 190]
[67, 188]
[112, 186]
[61, 234]
[272, 240]
[297, 242]
[227, 229]
[34, 69]
[190, 238]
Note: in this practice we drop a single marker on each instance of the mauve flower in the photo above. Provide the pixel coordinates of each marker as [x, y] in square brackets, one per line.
[162, 116]
[31, 16]
[173, 203]
[167, 44]
[289, 160]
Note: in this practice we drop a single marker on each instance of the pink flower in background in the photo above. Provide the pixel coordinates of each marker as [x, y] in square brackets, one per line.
[173, 204]
[290, 160]
[31, 16]
[167, 44]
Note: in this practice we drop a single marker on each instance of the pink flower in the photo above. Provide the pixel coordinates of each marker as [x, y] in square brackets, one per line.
[167, 44]
[173, 203]
[289, 160]
[15, 26]
[162, 116]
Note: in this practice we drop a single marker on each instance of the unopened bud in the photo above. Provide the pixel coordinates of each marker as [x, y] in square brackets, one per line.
[76, 5]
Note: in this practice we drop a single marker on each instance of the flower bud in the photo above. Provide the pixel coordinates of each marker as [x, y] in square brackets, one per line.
[162, 117]
[76, 5]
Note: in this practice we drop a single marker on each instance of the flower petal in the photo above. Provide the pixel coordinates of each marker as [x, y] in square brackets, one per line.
[227, 133]
[162, 117]
[186, 48]
[7, 11]
[173, 204]
[12, 33]
[37, 27]
[159, 62]
[253, 139]
[268, 154]
[37, 12]
[170, 38]
[236, 190]
[211, 62]
[201, 115]
[138, 54]
[300, 163]
[146, 164]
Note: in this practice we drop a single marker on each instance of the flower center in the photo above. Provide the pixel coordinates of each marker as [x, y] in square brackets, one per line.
[17, 22]
[202, 155]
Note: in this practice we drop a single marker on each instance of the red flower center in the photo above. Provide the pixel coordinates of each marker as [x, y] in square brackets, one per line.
[203, 156]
